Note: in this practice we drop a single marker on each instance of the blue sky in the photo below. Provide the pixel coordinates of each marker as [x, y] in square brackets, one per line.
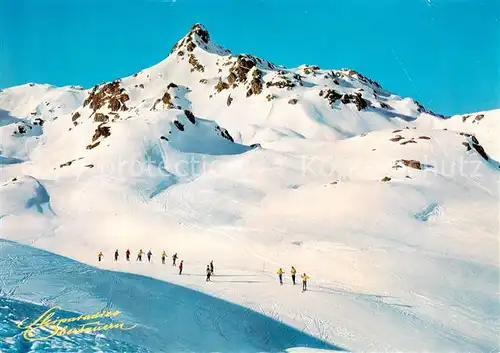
[443, 53]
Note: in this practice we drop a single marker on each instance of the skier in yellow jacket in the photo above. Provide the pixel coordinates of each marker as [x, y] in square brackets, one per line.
[280, 275]
[139, 255]
[304, 281]
[163, 256]
[293, 271]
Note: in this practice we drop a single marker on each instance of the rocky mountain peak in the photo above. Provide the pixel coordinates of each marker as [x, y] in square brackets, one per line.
[197, 37]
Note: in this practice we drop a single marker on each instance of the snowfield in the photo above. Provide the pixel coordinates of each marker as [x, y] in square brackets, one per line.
[391, 210]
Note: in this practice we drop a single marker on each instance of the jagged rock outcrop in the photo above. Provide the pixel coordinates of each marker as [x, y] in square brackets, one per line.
[356, 99]
[331, 95]
[190, 116]
[110, 93]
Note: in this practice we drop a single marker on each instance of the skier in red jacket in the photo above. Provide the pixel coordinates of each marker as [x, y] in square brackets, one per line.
[181, 266]
[127, 254]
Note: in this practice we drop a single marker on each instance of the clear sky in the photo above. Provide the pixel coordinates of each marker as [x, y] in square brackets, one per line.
[443, 53]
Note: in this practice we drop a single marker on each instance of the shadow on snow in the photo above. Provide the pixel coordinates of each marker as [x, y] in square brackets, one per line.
[168, 317]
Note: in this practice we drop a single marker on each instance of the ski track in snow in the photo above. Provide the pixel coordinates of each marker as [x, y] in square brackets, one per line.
[166, 309]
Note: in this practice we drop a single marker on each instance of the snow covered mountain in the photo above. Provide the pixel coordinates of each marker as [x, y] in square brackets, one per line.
[391, 209]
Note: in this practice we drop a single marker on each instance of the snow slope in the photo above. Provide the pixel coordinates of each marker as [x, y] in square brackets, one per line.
[391, 209]
[164, 308]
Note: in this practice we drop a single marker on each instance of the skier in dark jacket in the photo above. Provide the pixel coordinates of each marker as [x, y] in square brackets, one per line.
[127, 254]
[174, 258]
[100, 255]
[181, 266]
[209, 273]
[149, 255]
[212, 267]
[116, 255]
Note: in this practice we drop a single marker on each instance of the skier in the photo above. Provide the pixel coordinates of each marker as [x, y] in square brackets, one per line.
[163, 256]
[116, 255]
[174, 258]
[149, 255]
[280, 275]
[181, 266]
[304, 282]
[212, 267]
[100, 255]
[209, 273]
[293, 271]
[127, 254]
[139, 255]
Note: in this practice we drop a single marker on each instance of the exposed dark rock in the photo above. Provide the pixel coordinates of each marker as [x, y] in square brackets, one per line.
[256, 82]
[408, 141]
[466, 144]
[364, 79]
[124, 97]
[465, 117]
[356, 99]
[310, 69]
[190, 46]
[479, 149]
[281, 84]
[179, 125]
[240, 68]
[75, 116]
[167, 100]
[478, 117]
[204, 81]
[386, 178]
[270, 97]
[89, 166]
[111, 93]
[164, 138]
[101, 131]
[221, 85]
[196, 66]
[229, 100]
[67, 164]
[114, 104]
[331, 95]
[399, 130]
[424, 137]
[89, 147]
[38, 121]
[190, 116]
[172, 85]
[385, 106]
[226, 135]
[411, 163]
[101, 118]
[397, 138]
[21, 129]
[293, 101]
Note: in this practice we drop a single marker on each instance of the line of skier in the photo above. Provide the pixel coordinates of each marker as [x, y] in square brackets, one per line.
[293, 273]
[210, 267]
